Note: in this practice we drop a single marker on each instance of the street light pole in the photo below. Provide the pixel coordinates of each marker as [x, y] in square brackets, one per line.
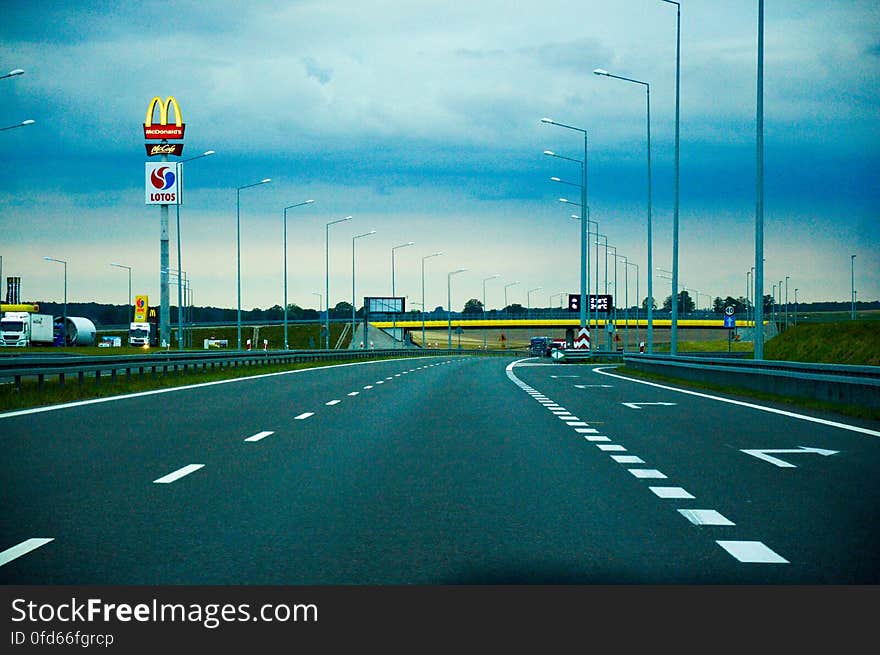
[436, 254]
[647, 86]
[129, 286]
[585, 251]
[491, 277]
[64, 324]
[393, 289]
[673, 347]
[284, 249]
[529, 301]
[180, 298]
[320, 307]
[327, 278]
[29, 121]
[786, 302]
[238, 249]
[353, 295]
[852, 265]
[449, 305]
[506, 305]
[759, 192]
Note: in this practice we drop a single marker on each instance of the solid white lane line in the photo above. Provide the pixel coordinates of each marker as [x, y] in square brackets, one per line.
[179, 473]
[627, 459]
[646, 473]
[705, 517]
[354, 393]
[597, 438]
[258, 436]
[302, 416]
[752, 552]
[333, 402]
[670, 492]
[611, 447]
[23, 549]
[772, 410]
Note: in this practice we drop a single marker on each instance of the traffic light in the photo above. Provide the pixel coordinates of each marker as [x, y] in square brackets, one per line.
[574, 302]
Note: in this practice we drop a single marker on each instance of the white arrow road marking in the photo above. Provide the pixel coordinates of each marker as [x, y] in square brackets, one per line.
[588, 386]
[636, 405]
[179, 473]
[762, 454]
[22, 549]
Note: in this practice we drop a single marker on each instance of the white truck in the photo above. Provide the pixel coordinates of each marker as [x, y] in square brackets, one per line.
[142, 334]
[20, 329]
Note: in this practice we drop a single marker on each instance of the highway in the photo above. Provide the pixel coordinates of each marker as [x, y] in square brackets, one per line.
[438, 470]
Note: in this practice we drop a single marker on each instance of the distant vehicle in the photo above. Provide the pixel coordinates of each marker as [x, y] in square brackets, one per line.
[557, 344]
[540, 346]
[143, 335]
[22, 329]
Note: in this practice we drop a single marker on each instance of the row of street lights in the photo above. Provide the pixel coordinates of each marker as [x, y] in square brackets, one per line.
[15, 73]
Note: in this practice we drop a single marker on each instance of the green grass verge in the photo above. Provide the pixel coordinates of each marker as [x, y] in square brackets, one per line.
[845, 342]
[856, 411]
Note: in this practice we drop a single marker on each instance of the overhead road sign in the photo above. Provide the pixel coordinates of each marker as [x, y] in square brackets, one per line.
[384, 305]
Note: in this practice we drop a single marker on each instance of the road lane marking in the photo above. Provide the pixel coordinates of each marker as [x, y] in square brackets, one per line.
[586, 431]
[762, 454]
[332, 402]
[597, 438]
[611, 447]
[670, 492]
[23, 549]
[258, 436]
[588, 386]
[380, 381]
[179, 473]
[637, 405]
[354, 393]
[772, 410]
[369, 386]
[705, 517]
[646, 473]
[302, 416]
[578, 424]
[185, 387]
[752, 552]
[627, 459]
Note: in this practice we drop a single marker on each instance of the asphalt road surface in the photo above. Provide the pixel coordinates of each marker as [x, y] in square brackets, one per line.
[441, 470]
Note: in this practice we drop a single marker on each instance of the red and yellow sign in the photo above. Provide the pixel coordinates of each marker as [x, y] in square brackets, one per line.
[162, 130]
[141, 307]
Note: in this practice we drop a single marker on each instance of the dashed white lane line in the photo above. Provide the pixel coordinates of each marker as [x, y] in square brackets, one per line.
[671, 492]
[23, 549]
[586, 431]
[578, 424]
[179, 473]
[302, 416]
[380, 381]
[627, 459]
[369, 386]
[332, 402]
[705, 517]
[752, 552]
[354, 393]
[259, 435]
[646, 473]
[613, 448]
[597, 437]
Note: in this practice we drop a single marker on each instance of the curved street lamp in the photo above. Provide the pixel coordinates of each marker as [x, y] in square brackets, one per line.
[602, 72]
[393, 289]
[436, 254]
[491, 277]
[353, 296]
[449, 305]
[29, 121]
[327, 277]
[131, 318]
[284, 247]
[238, 248]
[64, 324]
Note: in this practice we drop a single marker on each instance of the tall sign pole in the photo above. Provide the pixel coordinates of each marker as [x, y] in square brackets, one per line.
[163, 188]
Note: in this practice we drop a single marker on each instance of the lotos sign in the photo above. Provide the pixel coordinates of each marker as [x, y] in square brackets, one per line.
[162, 184]
[162, 130]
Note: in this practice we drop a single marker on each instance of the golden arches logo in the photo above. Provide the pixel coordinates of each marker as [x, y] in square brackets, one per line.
[162, 130]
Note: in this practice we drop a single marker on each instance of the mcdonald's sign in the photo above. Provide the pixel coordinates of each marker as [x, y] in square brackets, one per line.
[162, 130]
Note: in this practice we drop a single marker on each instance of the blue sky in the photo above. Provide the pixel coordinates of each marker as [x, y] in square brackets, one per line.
[421, 119]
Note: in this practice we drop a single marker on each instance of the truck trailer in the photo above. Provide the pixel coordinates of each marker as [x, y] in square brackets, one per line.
[20, 329]
[143, 334]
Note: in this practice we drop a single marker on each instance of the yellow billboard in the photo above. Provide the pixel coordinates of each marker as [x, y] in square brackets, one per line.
[141, 307]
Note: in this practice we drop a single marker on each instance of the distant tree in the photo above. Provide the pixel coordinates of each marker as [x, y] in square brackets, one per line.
[342, 310]
[515, 308]
[473, 306]
[738, 304]
[685, 303]
[653, 303]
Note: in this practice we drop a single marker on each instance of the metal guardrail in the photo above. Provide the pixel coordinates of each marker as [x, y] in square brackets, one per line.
[836, 383]
[17, 369]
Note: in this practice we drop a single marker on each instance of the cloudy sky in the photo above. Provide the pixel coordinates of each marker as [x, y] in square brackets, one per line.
[421, 119]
